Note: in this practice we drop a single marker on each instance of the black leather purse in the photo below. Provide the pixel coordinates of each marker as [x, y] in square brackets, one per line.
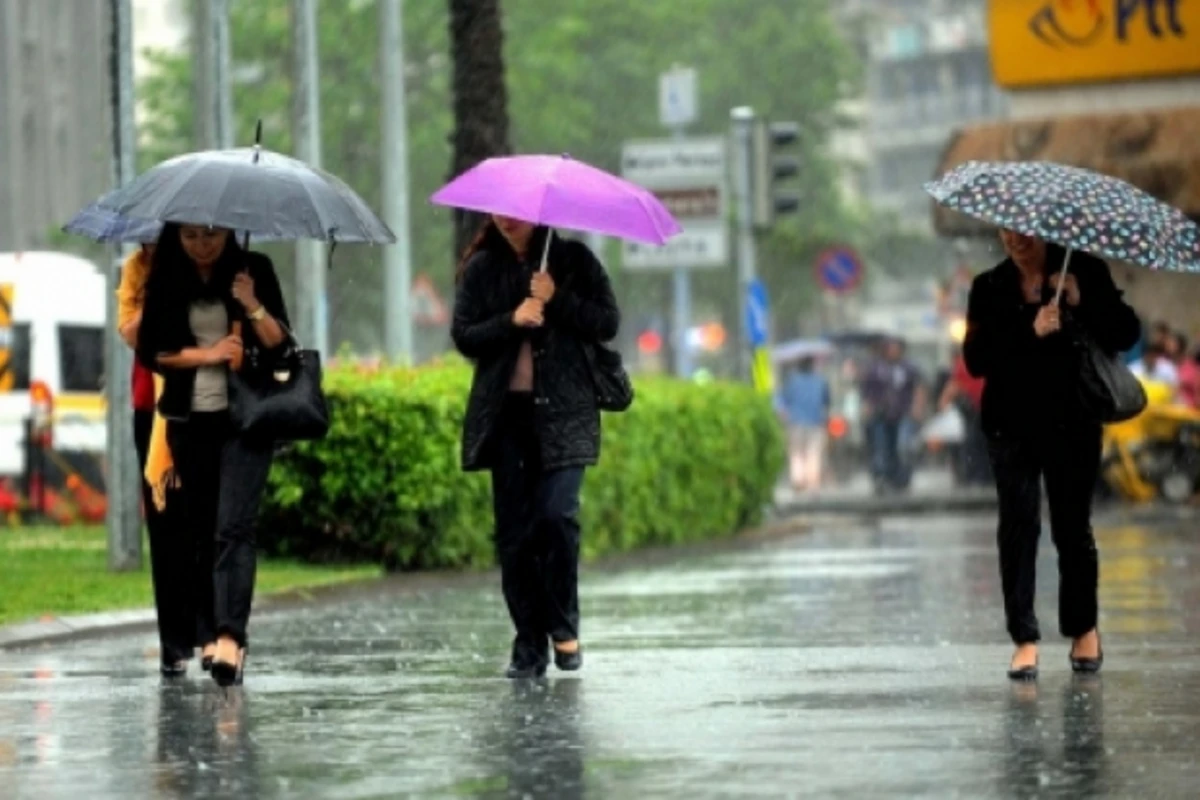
[1108, 391]
[614, 389]
[278, 397]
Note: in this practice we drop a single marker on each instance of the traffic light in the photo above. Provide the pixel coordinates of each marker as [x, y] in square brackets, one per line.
[770, 168]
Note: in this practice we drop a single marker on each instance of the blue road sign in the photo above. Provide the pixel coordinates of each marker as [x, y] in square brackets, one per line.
[757, 310]
[839, 269]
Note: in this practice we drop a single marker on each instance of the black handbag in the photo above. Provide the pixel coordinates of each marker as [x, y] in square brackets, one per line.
[1108, 391]
[280, 400]
[614, 389]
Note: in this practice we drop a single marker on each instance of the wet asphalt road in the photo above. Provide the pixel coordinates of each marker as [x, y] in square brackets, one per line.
[850, 662]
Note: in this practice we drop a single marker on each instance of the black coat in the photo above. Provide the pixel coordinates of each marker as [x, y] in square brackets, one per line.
[1032, 384]
[583, 310]
[165, 328]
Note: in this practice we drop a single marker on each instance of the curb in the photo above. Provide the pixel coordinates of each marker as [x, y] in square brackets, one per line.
[958, 502]
[72, 628]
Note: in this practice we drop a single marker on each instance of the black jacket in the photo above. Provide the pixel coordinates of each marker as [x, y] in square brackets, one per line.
[1032, 384]
[583, 310]
[165, 328]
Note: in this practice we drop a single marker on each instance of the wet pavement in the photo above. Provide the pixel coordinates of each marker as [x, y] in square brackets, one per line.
[849, 662]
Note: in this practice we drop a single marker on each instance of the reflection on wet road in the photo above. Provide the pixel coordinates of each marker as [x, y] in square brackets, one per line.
[855, 662]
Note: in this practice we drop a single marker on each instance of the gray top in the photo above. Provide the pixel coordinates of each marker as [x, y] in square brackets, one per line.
[210, 324]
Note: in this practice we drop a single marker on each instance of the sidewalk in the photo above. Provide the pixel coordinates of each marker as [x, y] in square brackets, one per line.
[932, 491]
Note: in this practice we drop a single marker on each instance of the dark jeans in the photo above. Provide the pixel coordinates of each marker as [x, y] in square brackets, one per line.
[172, 561]
[537, 536]
[889, 468]
[1068, 459]
[224, 477]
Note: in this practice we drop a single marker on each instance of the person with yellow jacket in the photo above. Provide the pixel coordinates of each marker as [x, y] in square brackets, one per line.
[174, 565]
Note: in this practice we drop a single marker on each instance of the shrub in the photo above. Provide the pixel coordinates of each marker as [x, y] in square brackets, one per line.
[686, 462]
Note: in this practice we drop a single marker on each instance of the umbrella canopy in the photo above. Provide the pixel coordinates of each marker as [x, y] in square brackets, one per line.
[563, 193]
[801, 348]
[268, 195]
[1076, 208]
[104, 225]
[100, 224]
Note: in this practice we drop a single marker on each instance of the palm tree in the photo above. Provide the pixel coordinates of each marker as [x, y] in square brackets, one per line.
[480, 97]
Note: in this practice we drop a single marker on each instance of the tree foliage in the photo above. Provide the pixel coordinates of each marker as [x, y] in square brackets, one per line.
[581, 78]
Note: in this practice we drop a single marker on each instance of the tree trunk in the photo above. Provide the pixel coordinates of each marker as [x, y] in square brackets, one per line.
[480, 98]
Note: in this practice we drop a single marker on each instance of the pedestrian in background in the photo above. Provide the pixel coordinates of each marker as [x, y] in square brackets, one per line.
[171, 566]
[1020, 341]
[207, 300]
[532, 418]
[890, 390]
[804, 402]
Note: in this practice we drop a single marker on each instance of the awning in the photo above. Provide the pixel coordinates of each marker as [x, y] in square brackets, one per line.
[1157, 151]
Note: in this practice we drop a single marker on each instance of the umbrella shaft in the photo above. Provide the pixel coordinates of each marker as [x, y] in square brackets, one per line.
[1062, 278]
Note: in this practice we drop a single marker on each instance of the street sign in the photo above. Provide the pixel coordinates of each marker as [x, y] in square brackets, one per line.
[839, 270]
[688, 176]
[677, 97]
[757, 310]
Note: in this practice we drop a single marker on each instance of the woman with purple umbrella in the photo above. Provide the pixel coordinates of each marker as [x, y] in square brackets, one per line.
[532, 419]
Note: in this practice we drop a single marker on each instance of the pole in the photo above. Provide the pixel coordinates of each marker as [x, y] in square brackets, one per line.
[742, 121]
[223, 102]
[213, 94]
[313, 329]
[683, 306]
[397, 258]
[123, 481]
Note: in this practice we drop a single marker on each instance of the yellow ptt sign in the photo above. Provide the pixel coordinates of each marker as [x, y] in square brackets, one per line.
[6, 334]
[1049, 42]
[761, 373]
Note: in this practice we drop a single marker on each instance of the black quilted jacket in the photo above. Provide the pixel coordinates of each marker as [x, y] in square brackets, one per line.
[583, 309]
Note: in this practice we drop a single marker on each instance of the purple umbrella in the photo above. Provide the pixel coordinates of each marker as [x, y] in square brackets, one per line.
[560, 192]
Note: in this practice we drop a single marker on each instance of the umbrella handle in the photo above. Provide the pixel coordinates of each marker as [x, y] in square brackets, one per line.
[546, 250]
[1062, 278]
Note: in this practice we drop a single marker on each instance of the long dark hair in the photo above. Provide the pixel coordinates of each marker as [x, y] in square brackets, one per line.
[174, 275]
[490, 239]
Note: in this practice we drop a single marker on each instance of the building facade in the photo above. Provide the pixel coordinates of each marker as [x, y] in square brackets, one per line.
[927, 73]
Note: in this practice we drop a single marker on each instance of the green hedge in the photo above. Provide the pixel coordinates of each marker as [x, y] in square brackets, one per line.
[687, 462]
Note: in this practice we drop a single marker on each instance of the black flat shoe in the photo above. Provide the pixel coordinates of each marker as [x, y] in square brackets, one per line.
[174, 669]
[568, 662]
[1026, 673]
[524, 672]
[206, 663]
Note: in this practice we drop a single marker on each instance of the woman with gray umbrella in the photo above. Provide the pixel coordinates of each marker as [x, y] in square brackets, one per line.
[208, 301]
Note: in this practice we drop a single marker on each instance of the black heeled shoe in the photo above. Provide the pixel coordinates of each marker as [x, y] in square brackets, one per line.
[173, 669]
[569, 662]
[524, 672]
[226, 674]
[1026, 673]
[1087, 666]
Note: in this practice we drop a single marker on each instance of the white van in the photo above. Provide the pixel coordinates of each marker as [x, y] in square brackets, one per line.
[55, 336]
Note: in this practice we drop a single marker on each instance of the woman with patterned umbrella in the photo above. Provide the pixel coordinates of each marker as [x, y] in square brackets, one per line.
[1025, 319]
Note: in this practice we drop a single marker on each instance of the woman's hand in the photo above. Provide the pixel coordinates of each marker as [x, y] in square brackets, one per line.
[542, 287]
[1070, 287]
[226, 351]
[243, 292]
[1048, 321]
[530, 314]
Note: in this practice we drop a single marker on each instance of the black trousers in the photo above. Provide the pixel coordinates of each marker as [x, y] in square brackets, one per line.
[172, 561]
[1068, 458]
[224, 477]
[537, 535]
